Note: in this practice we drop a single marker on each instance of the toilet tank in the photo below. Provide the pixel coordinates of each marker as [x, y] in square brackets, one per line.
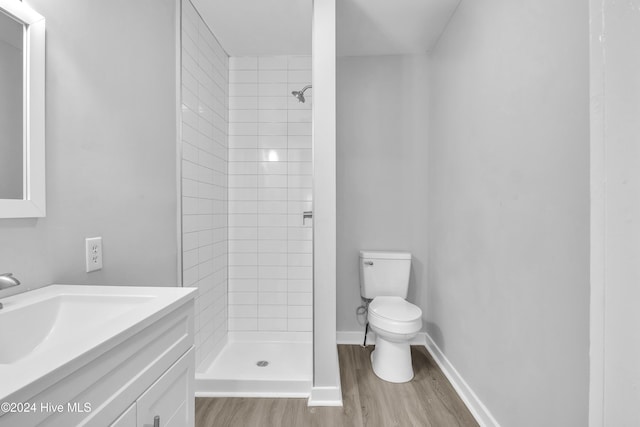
[384, 273]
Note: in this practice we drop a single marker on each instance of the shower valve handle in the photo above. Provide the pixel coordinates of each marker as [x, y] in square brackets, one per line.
[306, 215]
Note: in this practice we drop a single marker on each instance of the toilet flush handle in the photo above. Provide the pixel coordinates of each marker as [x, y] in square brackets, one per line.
[368, 263]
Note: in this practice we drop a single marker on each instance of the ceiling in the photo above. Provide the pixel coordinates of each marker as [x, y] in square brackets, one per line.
[365, 27]
[385, 27]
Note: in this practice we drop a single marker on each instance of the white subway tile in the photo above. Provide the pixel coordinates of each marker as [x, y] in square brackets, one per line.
[275, 259]
[243, 285]
[299, 129]
[243, 298]
[299, 181]
[243, 76]
[243, 168]
[272, 298]
[299, 194]
[272, 181]
[296, 207]
[272, 194]
[299, 311]
[272, 311]
[272, 141]
[272, 285]
[243, 116]
[300, 246]
[272, 168]
[299, 76]
[243, 89]
[243, 63]
[299, 155]
[300, 285]
[243, 129]
[272, 76]
[243, 194]
[299, 116]
[300, 298]
[300, 168]
[272, 246]
[273, 89]
[273, 102]
[243, 181]
[300, 325]
[243, 155]
[243, 324]
[272, 62]
[272, 324]
[243, 311]
[272, 154]
[272, 116]
[300, 273]
[243, 207]
[272, 128]
[272, 233]
[272, 220]
[243, 102]
[236, 259]
[272, 207]
[243, 220]
[243, 233]
[243, 272]
[272, 272]
[243, 141]
[301, 260]
[300, 62]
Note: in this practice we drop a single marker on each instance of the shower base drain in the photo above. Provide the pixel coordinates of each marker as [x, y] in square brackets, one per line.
[262, 363]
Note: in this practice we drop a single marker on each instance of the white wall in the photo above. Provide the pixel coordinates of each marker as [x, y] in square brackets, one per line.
[205, 77]
[270, 177]
[111, 148]
[509, 207]
[382, 170]
[615, 238]
[326, 373]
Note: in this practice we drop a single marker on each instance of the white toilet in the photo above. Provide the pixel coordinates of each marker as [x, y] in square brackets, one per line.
[384, 279]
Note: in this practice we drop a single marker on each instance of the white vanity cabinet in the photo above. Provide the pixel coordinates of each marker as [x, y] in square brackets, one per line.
[143, 370]
[168, 402]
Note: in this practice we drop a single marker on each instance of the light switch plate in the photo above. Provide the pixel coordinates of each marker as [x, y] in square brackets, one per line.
[94, 253]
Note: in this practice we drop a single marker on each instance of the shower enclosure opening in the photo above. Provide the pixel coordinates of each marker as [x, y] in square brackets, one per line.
[246, 213]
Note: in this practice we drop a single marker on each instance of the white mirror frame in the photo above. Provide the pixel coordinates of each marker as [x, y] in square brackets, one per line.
[33, 204]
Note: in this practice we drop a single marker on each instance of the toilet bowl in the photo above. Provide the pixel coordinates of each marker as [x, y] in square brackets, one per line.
[395, 322]
[384, 281]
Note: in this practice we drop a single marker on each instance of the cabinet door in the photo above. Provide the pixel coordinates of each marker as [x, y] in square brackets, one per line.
[171, 397]
[127, 419]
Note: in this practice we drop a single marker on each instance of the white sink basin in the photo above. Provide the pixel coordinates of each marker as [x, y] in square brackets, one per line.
[44, 330]
[26, 327]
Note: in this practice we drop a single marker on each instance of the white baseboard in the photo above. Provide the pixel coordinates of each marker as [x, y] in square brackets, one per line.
[356, 337]
[328, 396]
[470, 399]
[325, 396]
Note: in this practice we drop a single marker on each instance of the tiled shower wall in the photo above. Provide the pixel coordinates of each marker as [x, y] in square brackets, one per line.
[205, 68]
[270, 177]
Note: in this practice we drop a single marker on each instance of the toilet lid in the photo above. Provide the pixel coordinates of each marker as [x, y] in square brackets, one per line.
[395, 308]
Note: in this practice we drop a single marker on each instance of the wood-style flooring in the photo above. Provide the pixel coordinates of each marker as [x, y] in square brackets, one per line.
[428, 400]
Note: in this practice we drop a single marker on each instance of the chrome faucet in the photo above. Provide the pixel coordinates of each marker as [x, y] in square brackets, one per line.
[7, 281]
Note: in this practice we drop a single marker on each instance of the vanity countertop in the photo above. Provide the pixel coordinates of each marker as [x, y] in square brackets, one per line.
[47, 333]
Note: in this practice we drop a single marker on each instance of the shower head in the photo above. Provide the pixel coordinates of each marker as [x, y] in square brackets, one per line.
[299, 94]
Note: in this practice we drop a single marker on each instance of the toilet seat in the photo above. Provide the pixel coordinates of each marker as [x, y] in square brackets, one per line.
[395, 315]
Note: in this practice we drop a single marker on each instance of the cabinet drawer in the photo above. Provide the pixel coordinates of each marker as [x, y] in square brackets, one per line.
[171, 397]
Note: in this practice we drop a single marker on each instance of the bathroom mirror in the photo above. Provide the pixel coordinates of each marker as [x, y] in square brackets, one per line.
[22, 152]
